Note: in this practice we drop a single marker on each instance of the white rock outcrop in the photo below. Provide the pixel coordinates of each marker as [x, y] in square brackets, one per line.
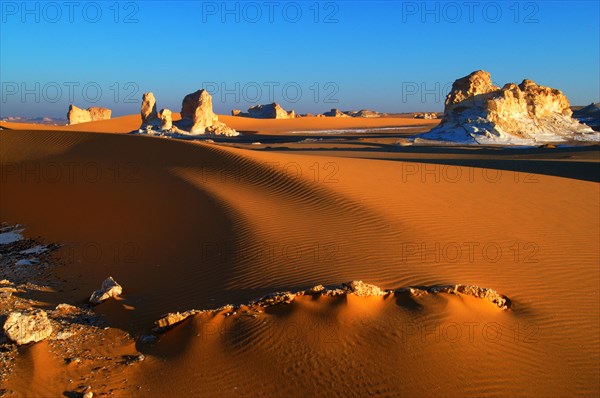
[77, 115]
[197, 117]
[268, 111]
[335, 113]
[148, 111]
[364, 113]
[478, 112]
[426, 115]
[197, 111]
[166, 120]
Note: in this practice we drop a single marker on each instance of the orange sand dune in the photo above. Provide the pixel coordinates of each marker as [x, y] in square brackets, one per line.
[126, 124]
[185, 225]
[121, 124]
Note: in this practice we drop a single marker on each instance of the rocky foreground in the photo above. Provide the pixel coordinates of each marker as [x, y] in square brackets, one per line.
[478, 112]
[70, 330]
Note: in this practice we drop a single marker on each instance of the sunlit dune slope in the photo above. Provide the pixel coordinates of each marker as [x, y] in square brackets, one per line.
[185, 225]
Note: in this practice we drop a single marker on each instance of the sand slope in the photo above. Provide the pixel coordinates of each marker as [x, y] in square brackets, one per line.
[186, 225]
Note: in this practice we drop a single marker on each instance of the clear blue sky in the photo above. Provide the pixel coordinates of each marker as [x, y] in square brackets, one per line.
[390, 56]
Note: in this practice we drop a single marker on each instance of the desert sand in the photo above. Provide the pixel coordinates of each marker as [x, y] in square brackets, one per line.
[126, 124]
[185, 225]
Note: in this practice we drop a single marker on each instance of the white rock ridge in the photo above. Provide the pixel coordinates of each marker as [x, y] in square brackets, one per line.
[355, 288]
[477, 112]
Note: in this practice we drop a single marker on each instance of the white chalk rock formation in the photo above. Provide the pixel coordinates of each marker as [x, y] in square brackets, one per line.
[148, 111]
[166, 120]
[364, 113]
[477, 112]
[77, 115]
[335, 113]
[426, 115]
[269, 111]
[197, 110]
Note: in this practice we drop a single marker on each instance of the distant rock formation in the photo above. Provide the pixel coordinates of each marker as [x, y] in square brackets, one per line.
[24, 328]
[268, 111]
[589, 115]
[197, 108]
[335, 113]
[99, 113]
[77, 115]
[425, 115]
[35, 120]
[148, 112]
[363, 113]
[197, 117]
[476, 111]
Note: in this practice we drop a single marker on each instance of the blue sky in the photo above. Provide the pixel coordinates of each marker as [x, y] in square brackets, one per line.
[391, 56]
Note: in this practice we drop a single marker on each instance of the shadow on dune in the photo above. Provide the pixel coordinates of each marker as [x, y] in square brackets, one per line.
[546, 161]
[586, 171]
[131, 200]
[582, 163]
[155, 214]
